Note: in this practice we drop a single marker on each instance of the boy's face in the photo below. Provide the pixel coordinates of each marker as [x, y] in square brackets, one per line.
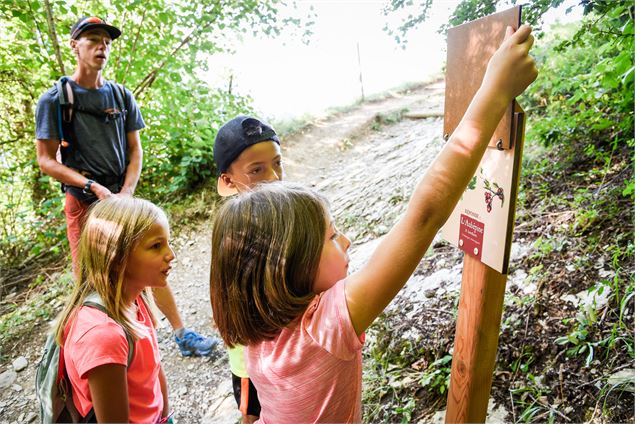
[260, 162]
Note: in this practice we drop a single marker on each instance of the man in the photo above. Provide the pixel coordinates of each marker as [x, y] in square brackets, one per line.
[100, 148]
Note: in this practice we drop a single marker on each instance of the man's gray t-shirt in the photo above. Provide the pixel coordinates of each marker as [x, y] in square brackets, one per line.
[101, 147]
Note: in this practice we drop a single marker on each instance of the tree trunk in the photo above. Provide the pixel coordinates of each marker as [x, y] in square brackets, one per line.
[53, 35]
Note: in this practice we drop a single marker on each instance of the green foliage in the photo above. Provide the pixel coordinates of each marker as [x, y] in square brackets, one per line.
[382, 119]
[402, 375]
[437, 376]
[589, 335]
[582, 112]
[532, 403]
[584, 93]
[161, 56]
[406, 411]
[469, 10]
[180, 151]
[415, 13]
[39, 308]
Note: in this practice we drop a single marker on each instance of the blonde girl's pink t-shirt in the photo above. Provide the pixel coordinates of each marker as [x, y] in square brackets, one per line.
[95, 339]
[312, 371]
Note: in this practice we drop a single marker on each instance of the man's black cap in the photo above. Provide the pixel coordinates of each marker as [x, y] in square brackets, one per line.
[92, 22]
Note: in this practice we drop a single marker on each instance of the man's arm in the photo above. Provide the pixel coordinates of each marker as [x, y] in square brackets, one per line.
[46, 151]
[164, 298]
[133, 171]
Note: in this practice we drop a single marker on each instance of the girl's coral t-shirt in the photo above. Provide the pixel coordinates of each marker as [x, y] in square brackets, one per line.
[312, 371]
[95, 339]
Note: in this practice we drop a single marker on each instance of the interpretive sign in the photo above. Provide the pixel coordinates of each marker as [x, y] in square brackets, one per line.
[482, 222]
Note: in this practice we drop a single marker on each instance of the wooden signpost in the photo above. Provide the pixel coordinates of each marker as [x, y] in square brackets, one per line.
[482, 223]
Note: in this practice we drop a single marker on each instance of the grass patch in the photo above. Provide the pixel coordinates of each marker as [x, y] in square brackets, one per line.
[43, 302]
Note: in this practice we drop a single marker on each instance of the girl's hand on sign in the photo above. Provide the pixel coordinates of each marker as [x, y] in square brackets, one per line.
[511, 69]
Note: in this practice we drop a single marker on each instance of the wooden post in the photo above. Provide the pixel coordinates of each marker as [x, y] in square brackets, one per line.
[476, 229]
[476, 342]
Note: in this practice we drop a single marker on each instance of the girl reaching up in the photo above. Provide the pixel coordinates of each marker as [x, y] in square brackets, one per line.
[124, 250]
[279, 282]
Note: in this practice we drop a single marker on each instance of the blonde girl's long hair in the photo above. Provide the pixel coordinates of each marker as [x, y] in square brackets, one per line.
[266, 248]
[110, 232]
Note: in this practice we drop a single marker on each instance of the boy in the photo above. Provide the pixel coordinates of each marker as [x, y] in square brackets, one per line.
[246, 152]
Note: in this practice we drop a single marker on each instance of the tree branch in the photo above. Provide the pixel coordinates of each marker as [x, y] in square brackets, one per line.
[37, 26]
[10, 141]
[123, 24]
[152, 75]
[53, 35]
[134, 47]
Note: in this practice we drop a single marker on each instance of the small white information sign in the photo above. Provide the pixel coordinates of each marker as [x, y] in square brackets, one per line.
[482, 223]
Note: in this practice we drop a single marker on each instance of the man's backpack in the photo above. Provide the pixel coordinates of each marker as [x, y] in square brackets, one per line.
[67, 107]
[52, 385]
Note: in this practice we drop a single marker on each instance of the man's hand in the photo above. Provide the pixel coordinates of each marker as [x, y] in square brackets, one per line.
[100, 191]
[125, 192]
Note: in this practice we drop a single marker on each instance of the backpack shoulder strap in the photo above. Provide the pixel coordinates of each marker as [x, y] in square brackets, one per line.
[120, 96]
[65, 97]
[49, 369]
[65, 101]
[94, 301]
[53, 388]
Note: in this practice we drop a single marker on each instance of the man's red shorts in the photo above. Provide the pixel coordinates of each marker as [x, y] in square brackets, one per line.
[75, 212]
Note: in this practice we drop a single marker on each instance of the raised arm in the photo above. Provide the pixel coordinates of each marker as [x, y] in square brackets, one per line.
[369, 290]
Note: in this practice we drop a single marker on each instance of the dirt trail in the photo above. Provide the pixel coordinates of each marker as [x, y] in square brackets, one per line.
[366, 162]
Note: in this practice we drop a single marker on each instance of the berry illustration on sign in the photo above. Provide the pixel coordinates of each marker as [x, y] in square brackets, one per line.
[492, 190]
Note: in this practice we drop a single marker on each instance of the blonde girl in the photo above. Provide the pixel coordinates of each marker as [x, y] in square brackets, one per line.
[279, 279]
[124, 250]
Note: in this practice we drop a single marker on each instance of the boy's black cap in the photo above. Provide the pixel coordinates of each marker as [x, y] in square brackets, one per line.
[92, 22]
[234, 137]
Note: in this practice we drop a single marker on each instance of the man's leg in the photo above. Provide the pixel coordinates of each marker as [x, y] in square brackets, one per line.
[190, 342]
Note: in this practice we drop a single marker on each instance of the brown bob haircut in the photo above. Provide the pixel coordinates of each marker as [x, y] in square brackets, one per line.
[266, 248]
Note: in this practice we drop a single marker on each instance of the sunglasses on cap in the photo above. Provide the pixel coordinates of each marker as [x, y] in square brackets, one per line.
[93, 22]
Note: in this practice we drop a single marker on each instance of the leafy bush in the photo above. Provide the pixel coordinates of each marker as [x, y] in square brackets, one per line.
[585, 91]
[584, 94]
[179, 141]
[160, 57]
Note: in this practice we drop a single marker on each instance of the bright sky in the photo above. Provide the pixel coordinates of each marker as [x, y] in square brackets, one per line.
[287, 78]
